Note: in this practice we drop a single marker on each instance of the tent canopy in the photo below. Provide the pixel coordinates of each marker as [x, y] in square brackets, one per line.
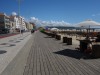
[88, 23]
[54, 29]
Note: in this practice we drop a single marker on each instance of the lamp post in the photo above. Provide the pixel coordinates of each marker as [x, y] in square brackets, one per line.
[19, 15]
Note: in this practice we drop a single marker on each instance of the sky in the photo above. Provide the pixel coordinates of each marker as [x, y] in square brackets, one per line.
[54, 11]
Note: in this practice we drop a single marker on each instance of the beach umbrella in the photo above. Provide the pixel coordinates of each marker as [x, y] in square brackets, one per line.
[88, 23]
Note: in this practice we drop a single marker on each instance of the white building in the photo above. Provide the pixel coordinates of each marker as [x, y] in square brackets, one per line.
[19, 22]
[23, 24]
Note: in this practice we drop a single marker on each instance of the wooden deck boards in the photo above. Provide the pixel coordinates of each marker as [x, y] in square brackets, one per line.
[51, 57]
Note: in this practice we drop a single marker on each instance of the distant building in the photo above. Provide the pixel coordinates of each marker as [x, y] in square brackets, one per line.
[33, 24]
[4, 23]
[13, 24]
[29, 26]
[23, 24]
[19, 23]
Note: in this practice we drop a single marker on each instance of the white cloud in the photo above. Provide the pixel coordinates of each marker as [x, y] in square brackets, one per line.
[60, 23]
[36, 21]
[49, 23]
[33, 18]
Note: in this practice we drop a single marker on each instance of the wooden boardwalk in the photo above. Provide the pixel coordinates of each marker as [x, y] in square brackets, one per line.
[51, 57]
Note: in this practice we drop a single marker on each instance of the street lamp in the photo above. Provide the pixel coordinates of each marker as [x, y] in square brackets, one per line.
[19, 15]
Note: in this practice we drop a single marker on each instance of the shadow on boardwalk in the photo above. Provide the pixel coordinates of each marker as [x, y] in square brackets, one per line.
[74, 54]
[2, 51]
[48, 37]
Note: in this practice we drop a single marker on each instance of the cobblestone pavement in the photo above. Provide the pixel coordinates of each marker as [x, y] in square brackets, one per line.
[10, 47]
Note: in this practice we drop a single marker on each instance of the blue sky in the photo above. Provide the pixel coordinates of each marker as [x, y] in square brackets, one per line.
[70, 11]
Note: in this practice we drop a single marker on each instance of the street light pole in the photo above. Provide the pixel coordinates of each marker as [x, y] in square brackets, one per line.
[19, 15]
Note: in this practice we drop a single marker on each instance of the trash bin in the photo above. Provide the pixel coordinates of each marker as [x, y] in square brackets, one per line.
[83, 45]
[69, 41]
[96, 50]
[64, 39]
[58, 37]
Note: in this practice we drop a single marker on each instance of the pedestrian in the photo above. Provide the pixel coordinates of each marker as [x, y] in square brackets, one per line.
[21, 31]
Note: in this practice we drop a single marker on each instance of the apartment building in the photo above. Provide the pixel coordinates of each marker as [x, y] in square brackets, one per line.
[23, 24]
[13, 24]
[4, 23]
[18, 23]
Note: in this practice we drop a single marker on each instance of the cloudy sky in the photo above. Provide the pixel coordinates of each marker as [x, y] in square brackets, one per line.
[58, 12]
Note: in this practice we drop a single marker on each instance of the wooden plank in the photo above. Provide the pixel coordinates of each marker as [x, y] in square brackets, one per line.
[44, 60]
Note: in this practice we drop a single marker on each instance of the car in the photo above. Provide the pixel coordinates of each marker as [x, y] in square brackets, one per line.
[32, 31]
